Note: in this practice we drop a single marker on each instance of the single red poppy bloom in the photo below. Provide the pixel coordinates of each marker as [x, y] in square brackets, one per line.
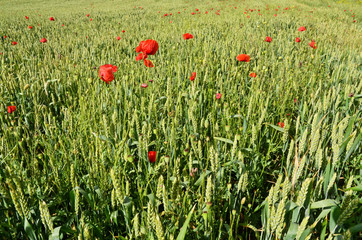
[123, 31]
[281, 124]
[30, 27]
[5, 36]
[188, 36]
[192, 77]
[11, 109]
[243, 58]
[90, 19]
[152, 156]
[297, 39]
[88, 15]
[268, 39]
[206, 12]
[106, 72]
[43, 40]
[27, 18]
[301, 29]
[118, 38]
[51, 19]
[14, 43]
[253, 75]
[144, 85]
[148, 47]
[217, 13]
[275, 15]
[312, 44]
[148, 63]
[197, 9]
[218, 95]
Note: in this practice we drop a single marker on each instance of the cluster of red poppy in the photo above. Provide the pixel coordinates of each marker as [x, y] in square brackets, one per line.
[146, 48]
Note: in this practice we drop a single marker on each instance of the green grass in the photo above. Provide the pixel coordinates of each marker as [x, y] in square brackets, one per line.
[73, 156]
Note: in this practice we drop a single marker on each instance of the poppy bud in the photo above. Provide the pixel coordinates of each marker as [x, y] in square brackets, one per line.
[206, 123]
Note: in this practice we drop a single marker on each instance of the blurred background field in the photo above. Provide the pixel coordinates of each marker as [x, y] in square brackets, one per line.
[277, 156]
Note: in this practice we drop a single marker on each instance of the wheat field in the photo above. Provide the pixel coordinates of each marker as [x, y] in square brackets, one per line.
[157, 119]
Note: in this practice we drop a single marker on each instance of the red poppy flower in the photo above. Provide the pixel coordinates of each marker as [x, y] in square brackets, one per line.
[88, 15]
[281, 124]
[188, 36]
[312, 44]
[206, 12]
[253, 75]
[148, 63]
[297, 39]
[148, 47]
[123, 31]
[51, 19]
[268, 39]
[152, 156]
[14, 43]
[63, 25]
[192, 77]
[90, 19]
[218, 95]
[144, 85]
[43, 40]
[301, 29]
[217, 13]
[11, 109]
[243, 58]
[30, 27]
[5, 36]
[106, 72]
[275, 15]
[27, 18]
[118, 38]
